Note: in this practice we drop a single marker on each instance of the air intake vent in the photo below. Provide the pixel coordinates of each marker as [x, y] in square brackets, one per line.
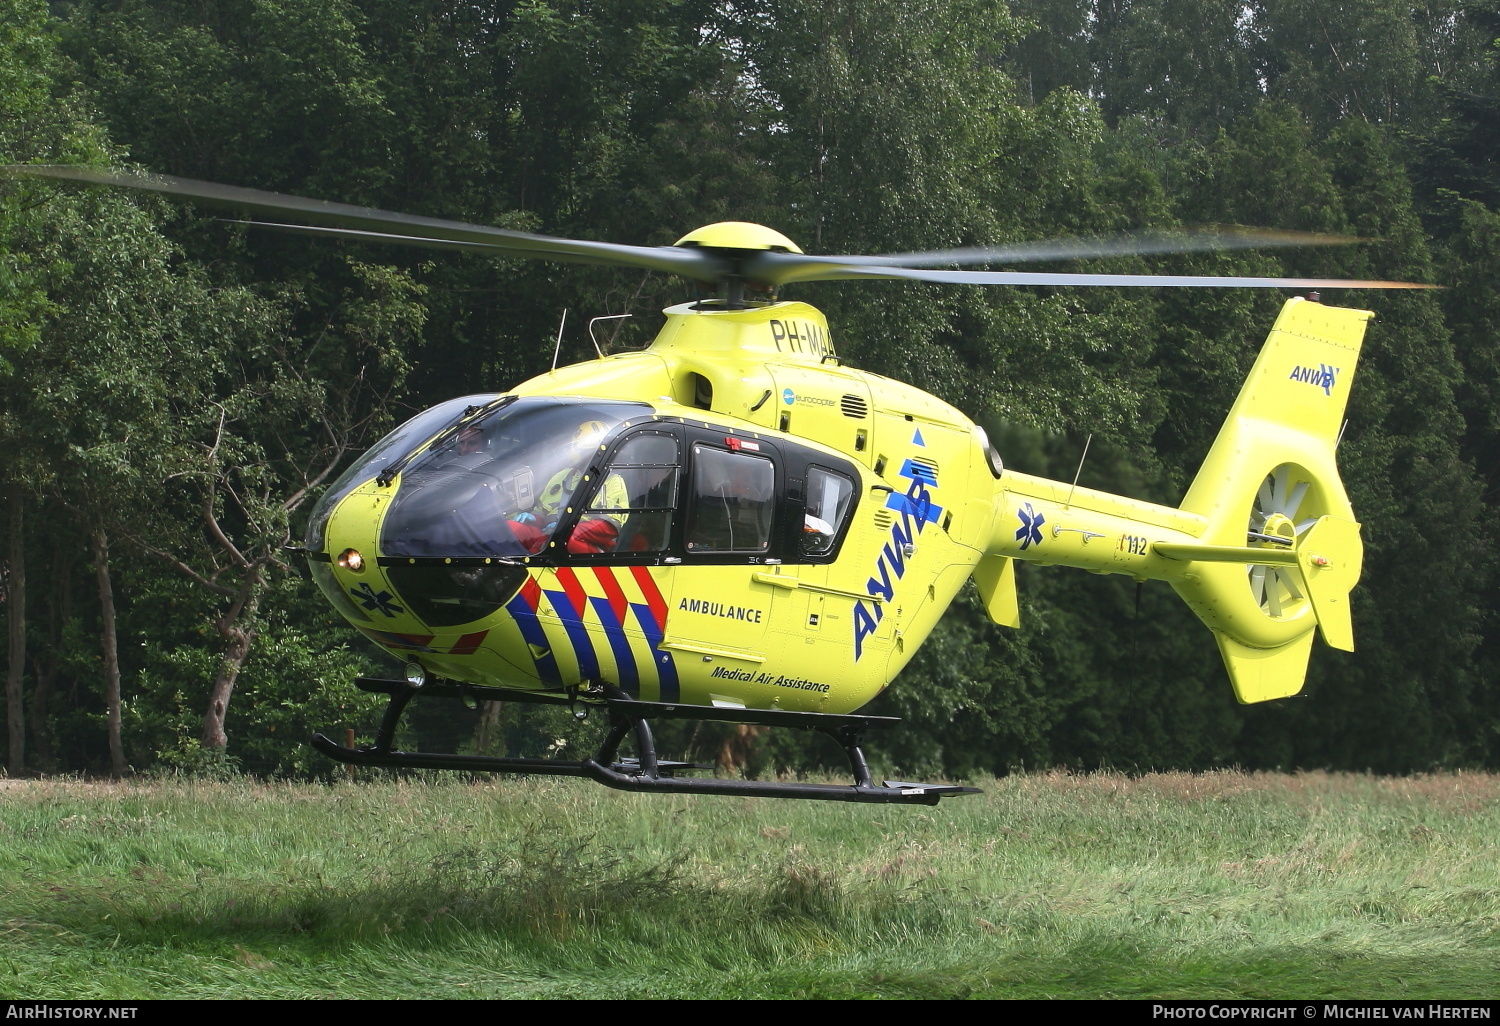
[884, 519]
[854, 406]
[928, 468]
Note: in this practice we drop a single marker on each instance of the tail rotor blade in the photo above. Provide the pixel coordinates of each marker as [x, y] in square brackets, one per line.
[1267, 505]
[1283, 472]
[1273, 592]
[1294, 501]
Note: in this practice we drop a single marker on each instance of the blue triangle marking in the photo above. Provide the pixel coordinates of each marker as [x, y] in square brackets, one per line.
[916, 439]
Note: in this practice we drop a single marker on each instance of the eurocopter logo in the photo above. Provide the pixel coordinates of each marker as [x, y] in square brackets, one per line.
[1030, 532]
[1323, 377]
[789, 397]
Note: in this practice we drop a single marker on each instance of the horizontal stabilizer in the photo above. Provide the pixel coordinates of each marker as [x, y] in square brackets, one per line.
[1226, 554]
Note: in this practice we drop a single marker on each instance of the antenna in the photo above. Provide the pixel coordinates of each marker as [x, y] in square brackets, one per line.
[1342, 428]
[1079, 471]
[596, 320]
[557, 346]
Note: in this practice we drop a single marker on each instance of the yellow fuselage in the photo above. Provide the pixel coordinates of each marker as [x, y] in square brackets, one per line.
[771, 628]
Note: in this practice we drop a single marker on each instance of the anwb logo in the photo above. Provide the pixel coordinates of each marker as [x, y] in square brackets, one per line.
[1323, 376]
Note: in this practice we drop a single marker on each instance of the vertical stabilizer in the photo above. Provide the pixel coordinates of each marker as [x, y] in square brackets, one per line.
[1281, 550]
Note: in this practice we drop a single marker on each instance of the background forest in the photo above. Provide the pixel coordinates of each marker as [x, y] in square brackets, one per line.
[174, 392]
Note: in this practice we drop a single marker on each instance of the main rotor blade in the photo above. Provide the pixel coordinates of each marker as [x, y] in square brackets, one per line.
[485, 248]
[703, 265]
[783, 268]
[751, 266]
[1123, 280]
[714, 265]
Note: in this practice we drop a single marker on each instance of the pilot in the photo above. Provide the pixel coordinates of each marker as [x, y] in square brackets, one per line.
[560, 488]
[470, 440]
[597, 532]
[480, 521]
[594, 534]
[554, 497]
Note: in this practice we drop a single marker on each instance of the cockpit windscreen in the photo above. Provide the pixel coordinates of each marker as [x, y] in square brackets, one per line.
[500, 486]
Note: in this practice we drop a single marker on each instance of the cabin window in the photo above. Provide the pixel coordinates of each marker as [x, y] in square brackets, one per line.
[631, 510]
[732, 502]
[828, 500]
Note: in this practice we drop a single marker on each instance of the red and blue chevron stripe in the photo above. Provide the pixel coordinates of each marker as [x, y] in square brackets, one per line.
[586, 616]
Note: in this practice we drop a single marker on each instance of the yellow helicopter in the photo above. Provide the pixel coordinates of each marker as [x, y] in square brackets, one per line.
[732, 525]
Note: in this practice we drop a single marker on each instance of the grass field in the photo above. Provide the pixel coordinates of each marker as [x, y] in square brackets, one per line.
[1051, 885]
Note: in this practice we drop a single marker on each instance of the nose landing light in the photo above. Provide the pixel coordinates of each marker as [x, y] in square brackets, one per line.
[351, 560]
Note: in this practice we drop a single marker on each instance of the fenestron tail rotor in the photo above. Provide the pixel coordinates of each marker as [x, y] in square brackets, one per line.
[1281, 514]
[734, 254]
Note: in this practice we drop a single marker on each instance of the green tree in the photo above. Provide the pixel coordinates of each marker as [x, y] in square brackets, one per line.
[56, 301]
[1469, 267]
[855, 128]
[281, 415]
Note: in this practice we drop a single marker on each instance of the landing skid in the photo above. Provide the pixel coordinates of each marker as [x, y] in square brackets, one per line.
[645, 772]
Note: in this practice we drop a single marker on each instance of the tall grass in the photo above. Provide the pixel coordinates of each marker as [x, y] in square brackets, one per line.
[1168, 885]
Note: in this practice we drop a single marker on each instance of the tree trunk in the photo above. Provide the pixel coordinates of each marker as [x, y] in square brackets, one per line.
[108, 641]
[238, 633]
[45, 669]
[487, 730]
[15, 614]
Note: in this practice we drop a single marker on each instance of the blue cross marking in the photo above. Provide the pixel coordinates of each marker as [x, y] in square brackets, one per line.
[381, 600]
[1030, 532]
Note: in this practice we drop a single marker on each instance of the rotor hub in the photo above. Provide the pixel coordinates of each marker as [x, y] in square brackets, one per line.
[739, 235]
[1279, 525]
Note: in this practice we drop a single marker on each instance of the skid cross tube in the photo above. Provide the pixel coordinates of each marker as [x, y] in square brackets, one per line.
[645, 772]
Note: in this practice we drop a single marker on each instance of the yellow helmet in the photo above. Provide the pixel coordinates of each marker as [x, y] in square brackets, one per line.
[588, 436]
